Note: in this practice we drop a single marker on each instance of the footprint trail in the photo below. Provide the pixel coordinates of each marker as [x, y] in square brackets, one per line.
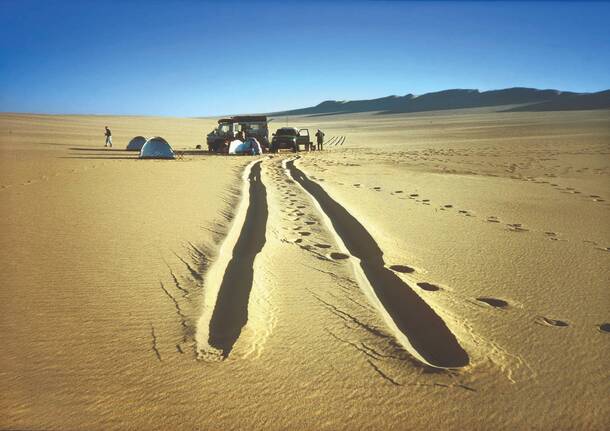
[421, 331]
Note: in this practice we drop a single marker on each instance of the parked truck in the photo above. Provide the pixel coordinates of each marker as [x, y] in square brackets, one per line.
[242, 126]
[291, 138]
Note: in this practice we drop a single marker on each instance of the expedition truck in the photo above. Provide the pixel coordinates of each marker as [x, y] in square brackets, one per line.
[228, 129]
[290, 138]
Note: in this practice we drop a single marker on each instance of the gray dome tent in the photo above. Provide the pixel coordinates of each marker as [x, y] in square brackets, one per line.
[156, 148]
[136, 143]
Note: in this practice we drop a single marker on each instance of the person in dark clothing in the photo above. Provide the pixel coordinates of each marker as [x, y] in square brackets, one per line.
[241, 135]
[320, 139]
[108, 138]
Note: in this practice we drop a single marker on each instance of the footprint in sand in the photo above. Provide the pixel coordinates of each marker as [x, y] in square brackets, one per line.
[403, 269]
[413, 195]
[545, 321]
[493, 219]
[551, 235]
[604, 327]
[516, 227]
[494, 302]
[338, 256]
[322, 245]
[428, 286]
[377, 188]
[398, 191]
[356, 185]
[448, 206]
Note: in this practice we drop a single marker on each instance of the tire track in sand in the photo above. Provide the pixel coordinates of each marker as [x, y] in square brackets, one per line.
[419, 329]
[226, 304]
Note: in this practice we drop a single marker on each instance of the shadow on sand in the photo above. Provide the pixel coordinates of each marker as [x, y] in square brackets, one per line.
[231, 311]
[100, 157]
[105, 150]
[425, 330]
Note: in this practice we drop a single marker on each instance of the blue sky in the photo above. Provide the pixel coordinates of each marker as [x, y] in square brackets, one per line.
[194, 58]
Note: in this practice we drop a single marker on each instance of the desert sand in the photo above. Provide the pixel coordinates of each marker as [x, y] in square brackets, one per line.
[446, 270]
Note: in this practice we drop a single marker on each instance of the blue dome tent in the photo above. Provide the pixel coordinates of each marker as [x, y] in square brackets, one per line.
[157, 148]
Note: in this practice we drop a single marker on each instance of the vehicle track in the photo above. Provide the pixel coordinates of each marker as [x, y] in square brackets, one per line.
[416, 325]
[230, 311]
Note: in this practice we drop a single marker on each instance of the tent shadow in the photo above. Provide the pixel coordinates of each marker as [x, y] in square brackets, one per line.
[100, 157]
[114, 150]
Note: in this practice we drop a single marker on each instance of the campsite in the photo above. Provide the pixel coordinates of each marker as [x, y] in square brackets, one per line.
[304, 215]
[135, 274]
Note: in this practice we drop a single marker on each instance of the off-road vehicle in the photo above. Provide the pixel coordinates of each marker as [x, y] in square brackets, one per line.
[290, 138]
[250, 126]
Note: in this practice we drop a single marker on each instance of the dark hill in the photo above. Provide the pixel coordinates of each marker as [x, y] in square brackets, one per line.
[572, 102]
[533, 99]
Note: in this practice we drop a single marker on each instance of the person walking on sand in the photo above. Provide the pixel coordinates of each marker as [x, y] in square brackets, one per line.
[320, 138]
[108, 138]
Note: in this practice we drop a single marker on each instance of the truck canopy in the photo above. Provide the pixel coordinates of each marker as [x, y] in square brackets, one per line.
[244, 119]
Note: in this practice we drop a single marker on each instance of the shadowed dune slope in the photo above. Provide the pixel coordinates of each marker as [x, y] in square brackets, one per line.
[541, 100]
[570, 102]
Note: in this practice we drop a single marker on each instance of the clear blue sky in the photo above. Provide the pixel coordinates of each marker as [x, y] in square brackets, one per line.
[193, 58]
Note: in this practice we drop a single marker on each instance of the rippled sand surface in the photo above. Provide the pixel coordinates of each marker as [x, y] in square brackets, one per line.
[446, 270]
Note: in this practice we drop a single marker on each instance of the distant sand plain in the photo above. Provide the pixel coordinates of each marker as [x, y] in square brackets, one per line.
[142, 294]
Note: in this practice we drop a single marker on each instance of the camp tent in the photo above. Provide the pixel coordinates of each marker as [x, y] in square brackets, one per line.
[136, 143]
[255, 146]
[249, 146]
[156, 148]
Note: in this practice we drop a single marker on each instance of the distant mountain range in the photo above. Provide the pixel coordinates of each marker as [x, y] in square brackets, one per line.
[528, 99]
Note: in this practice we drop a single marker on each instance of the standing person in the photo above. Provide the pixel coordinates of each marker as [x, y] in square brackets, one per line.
[108, 138]
[320, 138]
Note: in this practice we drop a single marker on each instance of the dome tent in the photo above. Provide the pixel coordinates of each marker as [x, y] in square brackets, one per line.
[156, 148]
[136, 143]
[250, 146]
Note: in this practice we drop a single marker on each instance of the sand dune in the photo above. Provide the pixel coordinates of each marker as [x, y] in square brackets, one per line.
[517, 99]
[572, 102]
[424, 272]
